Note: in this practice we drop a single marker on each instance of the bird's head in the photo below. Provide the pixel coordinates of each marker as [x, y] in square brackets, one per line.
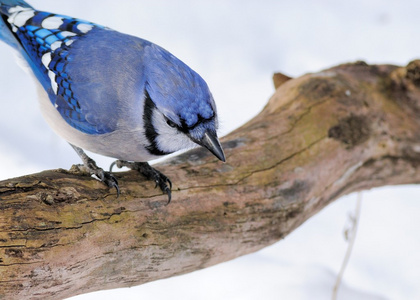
[179, 110]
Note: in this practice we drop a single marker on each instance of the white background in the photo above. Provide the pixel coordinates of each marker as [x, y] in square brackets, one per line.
[236, 45]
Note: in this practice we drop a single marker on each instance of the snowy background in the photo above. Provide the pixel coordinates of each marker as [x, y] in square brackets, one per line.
[236, 46]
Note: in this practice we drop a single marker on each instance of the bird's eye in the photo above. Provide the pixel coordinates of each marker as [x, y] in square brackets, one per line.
[170, 123]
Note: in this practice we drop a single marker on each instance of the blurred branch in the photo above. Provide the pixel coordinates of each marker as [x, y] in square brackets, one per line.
[323, 135]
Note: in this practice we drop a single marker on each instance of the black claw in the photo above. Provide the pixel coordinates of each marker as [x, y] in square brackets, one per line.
[162, 181]
[111, 181]
[108, 179]
[168, 191]
[112, 165]
[150, 173]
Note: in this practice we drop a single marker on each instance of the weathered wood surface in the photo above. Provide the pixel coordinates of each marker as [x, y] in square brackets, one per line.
[323, 135]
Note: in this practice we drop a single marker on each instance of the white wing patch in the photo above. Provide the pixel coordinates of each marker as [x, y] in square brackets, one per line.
[67, 33]
[52, 22]
[85, 28]
[54, 85]
[56, 45]
[19, 16]
[46, 59]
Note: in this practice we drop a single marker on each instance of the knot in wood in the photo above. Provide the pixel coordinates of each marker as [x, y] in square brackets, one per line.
[351, 131]
[413, 72]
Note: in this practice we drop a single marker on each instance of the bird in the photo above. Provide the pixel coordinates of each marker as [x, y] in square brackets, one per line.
[112, 93]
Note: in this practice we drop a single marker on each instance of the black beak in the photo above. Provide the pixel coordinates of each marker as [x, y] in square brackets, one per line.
[211, 142]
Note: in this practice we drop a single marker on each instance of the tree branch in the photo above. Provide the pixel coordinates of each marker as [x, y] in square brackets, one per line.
[323, 135]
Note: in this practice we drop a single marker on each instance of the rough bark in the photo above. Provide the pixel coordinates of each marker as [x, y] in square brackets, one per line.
[323, 135]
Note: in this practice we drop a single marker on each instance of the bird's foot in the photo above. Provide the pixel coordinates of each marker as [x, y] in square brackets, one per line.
[149, 172]
[105, 177]
[90, 165]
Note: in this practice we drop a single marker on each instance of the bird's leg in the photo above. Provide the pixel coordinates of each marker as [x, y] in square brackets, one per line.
[149, 172]
[93, 169]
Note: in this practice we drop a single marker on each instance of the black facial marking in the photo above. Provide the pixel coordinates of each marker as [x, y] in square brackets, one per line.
[200, 119]
[151, 134]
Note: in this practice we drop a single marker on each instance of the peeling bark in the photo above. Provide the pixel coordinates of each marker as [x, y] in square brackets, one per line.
[321, 136]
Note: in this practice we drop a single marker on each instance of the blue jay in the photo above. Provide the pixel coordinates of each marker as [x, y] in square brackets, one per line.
[111, 93]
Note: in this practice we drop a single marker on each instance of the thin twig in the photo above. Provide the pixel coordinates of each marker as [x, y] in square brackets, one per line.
[353, 231]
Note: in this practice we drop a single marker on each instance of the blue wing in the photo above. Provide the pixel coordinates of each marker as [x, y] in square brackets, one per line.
[47, 40]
